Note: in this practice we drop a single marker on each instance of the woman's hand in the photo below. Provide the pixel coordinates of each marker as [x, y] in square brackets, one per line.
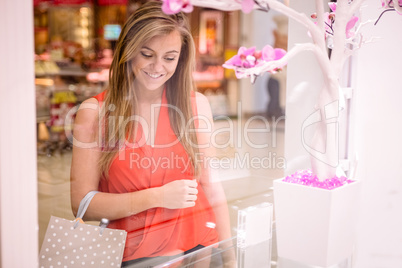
[179, 194]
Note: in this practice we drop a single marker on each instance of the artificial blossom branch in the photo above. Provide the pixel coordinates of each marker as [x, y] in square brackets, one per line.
[218, 4]
[273, 65]
[300, 18]
[319, 6]
[339, 39]
[354, 7]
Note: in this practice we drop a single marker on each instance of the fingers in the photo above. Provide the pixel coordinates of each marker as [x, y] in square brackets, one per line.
[192, 191]
[180, 194]
[192, 183]
[189, 204]
[191, 197]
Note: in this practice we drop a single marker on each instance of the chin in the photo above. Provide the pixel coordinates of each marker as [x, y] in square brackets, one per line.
[155, 88]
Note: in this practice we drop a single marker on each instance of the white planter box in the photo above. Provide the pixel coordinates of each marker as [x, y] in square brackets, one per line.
[315, 226]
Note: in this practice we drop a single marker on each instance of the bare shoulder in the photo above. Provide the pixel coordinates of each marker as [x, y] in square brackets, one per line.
[87, 117]
[203, 106]
[89, 109]
[90, 103]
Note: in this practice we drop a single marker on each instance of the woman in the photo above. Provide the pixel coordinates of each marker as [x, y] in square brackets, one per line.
[145, 143]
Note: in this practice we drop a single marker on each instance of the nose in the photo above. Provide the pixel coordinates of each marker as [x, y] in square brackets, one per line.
[157, 65]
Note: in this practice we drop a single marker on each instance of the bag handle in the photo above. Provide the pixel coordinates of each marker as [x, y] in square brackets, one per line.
[84, 206]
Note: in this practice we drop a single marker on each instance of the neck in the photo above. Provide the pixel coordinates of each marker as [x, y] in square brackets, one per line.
[149, 96]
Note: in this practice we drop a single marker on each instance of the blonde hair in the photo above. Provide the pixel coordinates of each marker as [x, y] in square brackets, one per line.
[147, 22]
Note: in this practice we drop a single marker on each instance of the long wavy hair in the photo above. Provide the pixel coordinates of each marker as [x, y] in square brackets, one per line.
[147, 22]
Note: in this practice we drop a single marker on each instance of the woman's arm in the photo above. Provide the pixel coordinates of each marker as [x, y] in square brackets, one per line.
[213, 189]
[85, 176]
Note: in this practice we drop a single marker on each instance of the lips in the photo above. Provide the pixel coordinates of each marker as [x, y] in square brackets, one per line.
[154, 75]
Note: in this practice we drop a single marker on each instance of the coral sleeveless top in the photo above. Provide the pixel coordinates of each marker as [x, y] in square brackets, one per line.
[159, 231]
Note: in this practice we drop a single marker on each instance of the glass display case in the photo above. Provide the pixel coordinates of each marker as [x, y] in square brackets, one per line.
[250, 246]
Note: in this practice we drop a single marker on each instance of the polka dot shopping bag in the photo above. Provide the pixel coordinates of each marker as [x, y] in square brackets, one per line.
[76, 244]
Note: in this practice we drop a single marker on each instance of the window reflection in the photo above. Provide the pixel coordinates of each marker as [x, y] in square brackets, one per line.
[73, 56]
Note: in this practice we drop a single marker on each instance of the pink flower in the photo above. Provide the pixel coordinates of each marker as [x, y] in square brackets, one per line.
[332, 6]
[175, 6]
[279, 53]
[249, 58]
[269, 53]
[351, 24]
[244, 59]
[247, 5]
[272, 54]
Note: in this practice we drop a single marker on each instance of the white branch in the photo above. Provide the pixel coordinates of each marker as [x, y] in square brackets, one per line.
[217, 4]
[348, 53]
[319, 6]
[301, 18]
[362, 24]
[338, 51]
[355, 43]
[371, 40]
[355, 6]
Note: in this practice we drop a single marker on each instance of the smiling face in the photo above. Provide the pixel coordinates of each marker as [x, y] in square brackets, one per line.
[156, 62]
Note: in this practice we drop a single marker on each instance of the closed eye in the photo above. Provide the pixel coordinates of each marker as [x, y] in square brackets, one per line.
[170, 59]
[146, 55]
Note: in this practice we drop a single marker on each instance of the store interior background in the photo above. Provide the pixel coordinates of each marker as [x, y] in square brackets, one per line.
[33, 185]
